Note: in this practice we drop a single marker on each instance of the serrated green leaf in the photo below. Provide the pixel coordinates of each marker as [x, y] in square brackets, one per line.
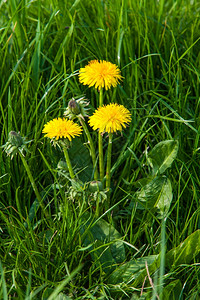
[162, 156]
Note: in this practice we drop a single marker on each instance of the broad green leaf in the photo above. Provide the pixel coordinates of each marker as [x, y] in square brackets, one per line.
[165, 197]
[140, 183]
[107, 249]
[129, 271]
[162, 156]
[186, 251]
[182, 254]
[157, 193]
[172, 291]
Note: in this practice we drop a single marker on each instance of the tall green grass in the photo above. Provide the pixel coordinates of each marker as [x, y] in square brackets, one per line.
[43, 45]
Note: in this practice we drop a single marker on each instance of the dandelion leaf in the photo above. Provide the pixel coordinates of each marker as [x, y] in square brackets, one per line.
[182, 254]
[186, 251]
[162, 156]
[129, 271]
[156, 194]
[172, 291]
[107, 249]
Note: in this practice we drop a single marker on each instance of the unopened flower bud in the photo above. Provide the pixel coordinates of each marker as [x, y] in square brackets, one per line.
[16, 143]
[77, 109]
[15, 139]
[95, 186]
[74, 106]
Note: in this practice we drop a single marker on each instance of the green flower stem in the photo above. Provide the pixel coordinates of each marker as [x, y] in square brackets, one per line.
[71, 172]
[101, 97]
[92, 149]
[33, 184]
[97, 207]
[101, 163]
[109, 152]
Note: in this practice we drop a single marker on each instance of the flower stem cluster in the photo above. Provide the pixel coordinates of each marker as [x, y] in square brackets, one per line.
[61, 131]
[107, 118]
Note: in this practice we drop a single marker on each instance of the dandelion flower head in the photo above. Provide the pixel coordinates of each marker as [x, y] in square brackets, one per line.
[100, 74]
[59, 128]
[110, 118]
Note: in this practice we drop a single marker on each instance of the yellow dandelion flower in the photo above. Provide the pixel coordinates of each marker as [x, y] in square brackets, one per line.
[110, 118]
[59, 128]
[100, 74]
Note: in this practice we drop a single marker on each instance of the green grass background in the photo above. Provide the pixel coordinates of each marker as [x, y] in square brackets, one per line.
[43, 44]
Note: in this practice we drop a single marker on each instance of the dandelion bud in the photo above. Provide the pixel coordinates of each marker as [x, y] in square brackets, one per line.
[15, 139]
[74, 107]
[77, 109]
[16, 143]
[95, 186]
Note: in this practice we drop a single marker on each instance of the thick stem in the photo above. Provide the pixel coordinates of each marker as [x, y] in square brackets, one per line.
[109, 153]
[101, 163]
[101, 97]
[92, 149]
[71, 172]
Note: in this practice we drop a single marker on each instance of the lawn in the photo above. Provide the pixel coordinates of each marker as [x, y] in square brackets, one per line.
[100, 154]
